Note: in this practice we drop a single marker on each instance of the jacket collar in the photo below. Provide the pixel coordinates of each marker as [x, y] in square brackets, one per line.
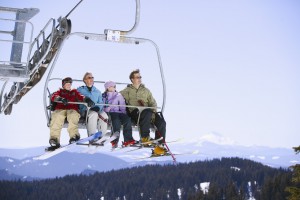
[131, 86]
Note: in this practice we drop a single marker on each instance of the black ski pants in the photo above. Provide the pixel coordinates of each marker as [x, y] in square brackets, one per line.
[119, 119]
[145, 123]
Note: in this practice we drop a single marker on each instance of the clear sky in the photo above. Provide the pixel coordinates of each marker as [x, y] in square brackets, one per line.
[231, 67]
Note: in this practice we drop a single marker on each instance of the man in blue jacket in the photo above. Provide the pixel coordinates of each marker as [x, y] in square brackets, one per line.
[97, 118]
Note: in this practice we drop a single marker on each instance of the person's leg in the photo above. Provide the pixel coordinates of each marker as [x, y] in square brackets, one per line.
[127, 128]
[73, 119]
[116, 125]
[160, 124]
[102, 122]
[92, 123]
[145, 123]
[56, 124]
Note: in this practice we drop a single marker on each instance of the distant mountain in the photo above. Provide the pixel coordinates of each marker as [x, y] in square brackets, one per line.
[21, 153]
[61, 165]
[5, 175]
[87, 160]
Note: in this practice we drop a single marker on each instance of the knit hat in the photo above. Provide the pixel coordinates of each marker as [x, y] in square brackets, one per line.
[66, 80]
[109, 84]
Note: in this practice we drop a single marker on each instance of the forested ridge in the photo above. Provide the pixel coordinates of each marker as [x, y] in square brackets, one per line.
[229, 178]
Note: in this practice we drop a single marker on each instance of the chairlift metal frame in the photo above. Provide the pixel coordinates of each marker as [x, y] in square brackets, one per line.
[100, 37]
[113, 36]
[25, 75]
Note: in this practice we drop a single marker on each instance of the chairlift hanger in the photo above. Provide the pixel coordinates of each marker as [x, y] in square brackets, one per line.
[116, 36]
[101, 38]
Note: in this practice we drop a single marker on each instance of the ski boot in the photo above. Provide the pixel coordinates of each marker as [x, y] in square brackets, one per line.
[114, 143]
[130, 143]
[54, 144]
[148, 142]
[74, 139]
[94, 141]
[159, 150]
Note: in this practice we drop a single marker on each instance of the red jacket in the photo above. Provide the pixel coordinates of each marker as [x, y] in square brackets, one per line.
[72, 95]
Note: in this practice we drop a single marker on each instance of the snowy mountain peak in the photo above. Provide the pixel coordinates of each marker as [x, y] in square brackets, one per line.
[216, 138]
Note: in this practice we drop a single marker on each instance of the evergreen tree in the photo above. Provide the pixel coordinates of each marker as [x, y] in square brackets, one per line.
[161, 182]
[294, 189]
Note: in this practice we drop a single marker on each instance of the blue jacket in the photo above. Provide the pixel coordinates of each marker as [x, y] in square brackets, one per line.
[95, 95]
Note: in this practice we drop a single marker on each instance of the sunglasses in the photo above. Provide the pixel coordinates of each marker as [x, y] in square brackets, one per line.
[138, 77]
[90, 77]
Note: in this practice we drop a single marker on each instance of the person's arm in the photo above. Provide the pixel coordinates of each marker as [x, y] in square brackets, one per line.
[79, 96]
[82, 108]
[122, 102]
[151, 100]
[56, 96]
[125, 94]
[100, 101]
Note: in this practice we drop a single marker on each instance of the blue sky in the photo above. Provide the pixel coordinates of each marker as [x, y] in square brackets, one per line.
[231, 67]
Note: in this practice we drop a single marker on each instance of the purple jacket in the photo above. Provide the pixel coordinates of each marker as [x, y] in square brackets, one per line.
[114, 98]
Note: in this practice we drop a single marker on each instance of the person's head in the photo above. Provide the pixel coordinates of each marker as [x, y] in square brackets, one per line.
[110, 86]
[135, 77]
[88, 79]
[67, 83]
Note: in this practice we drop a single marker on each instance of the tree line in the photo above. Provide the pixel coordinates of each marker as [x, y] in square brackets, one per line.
[229, 178]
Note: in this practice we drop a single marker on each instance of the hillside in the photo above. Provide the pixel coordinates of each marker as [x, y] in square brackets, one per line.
[227, 177]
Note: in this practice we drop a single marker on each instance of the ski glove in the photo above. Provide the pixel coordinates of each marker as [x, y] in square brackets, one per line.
[63, 100]
[96, 109]
[89, 102]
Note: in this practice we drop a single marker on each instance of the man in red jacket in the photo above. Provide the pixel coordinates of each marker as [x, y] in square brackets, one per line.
[63, 109]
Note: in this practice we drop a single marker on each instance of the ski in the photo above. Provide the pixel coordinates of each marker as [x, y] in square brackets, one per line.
[103, 140]
[92, 147]
[163, 155]
[140, 145]
[49, 154]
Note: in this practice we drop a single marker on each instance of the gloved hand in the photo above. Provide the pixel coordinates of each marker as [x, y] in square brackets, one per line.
[141, 102]
[96, 109]
[63, 100]
[89, 102]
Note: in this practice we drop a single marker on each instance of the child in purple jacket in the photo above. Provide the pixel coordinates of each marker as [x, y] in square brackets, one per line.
[117, 114]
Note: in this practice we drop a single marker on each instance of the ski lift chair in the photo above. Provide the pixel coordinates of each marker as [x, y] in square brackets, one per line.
[113, 36]
[83, 119]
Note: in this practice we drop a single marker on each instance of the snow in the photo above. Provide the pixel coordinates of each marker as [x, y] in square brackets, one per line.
[204, 187]
[45, 163]
[261, 157]
[216, 138]
[179, 193]
[235, 168]
[10, 160]
[250, 191]
[25, 161]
